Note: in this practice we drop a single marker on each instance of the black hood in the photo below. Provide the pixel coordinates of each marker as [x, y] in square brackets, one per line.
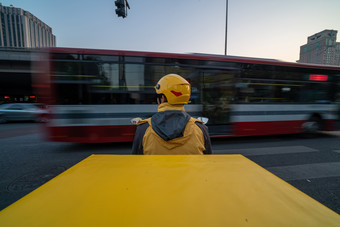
[170, 124]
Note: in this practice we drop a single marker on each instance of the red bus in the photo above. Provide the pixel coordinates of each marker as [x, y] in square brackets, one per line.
[93, 94]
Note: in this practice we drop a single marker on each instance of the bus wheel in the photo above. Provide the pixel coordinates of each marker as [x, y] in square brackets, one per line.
[312, 126]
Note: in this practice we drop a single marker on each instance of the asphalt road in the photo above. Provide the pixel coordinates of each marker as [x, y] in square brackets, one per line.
[310, 164]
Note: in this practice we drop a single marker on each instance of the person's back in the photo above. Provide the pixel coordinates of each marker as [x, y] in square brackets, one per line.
[172, 130]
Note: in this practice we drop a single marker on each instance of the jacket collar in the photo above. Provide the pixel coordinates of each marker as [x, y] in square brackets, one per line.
[166, 106]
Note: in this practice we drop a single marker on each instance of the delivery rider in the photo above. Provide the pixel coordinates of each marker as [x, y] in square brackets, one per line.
[171, 130]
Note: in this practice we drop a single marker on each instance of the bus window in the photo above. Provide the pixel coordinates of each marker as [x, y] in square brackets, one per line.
[337, 94]
[105, 84]
[65, 56]
[257, 71]
[132, 83]
[217, 95]
[255, 91]
[100, 58]
[315, 93]
[70, 84]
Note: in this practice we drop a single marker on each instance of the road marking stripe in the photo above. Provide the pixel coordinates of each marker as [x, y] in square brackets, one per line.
[266, 150]
[307, 171]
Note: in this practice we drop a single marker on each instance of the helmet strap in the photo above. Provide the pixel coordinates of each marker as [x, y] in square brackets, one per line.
[161, 98]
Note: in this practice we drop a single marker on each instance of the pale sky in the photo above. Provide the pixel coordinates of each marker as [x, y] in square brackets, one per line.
[256, 28]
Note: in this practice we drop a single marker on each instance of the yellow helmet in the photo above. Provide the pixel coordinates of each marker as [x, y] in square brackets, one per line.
[175, 88]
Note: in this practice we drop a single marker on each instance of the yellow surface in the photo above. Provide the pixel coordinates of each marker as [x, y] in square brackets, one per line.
[211, 190]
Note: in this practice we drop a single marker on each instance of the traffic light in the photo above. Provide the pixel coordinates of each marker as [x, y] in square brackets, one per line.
[120, 11]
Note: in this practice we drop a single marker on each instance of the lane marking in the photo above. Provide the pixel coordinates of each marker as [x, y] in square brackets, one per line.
[266, 150]
[307, 171]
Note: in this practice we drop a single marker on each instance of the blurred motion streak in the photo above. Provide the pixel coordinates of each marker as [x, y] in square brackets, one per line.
[93, 94]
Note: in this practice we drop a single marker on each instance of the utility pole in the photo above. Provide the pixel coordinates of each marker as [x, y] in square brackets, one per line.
[226, 27]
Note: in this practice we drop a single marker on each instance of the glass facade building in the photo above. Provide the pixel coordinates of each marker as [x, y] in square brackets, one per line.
[21, 29]
[321, 48]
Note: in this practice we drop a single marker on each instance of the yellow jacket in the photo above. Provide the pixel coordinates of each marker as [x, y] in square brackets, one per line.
[171, 131]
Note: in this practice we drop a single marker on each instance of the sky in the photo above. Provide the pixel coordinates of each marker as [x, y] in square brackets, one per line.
[272, 29]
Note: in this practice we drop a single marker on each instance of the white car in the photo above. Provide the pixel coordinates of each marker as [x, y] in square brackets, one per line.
[22, 112]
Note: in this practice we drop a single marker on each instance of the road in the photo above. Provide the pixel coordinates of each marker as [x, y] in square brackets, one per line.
[310, 164]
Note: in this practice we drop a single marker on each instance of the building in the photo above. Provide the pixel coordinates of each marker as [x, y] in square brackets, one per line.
[321, 48]
[16, 75]
[21, 29]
